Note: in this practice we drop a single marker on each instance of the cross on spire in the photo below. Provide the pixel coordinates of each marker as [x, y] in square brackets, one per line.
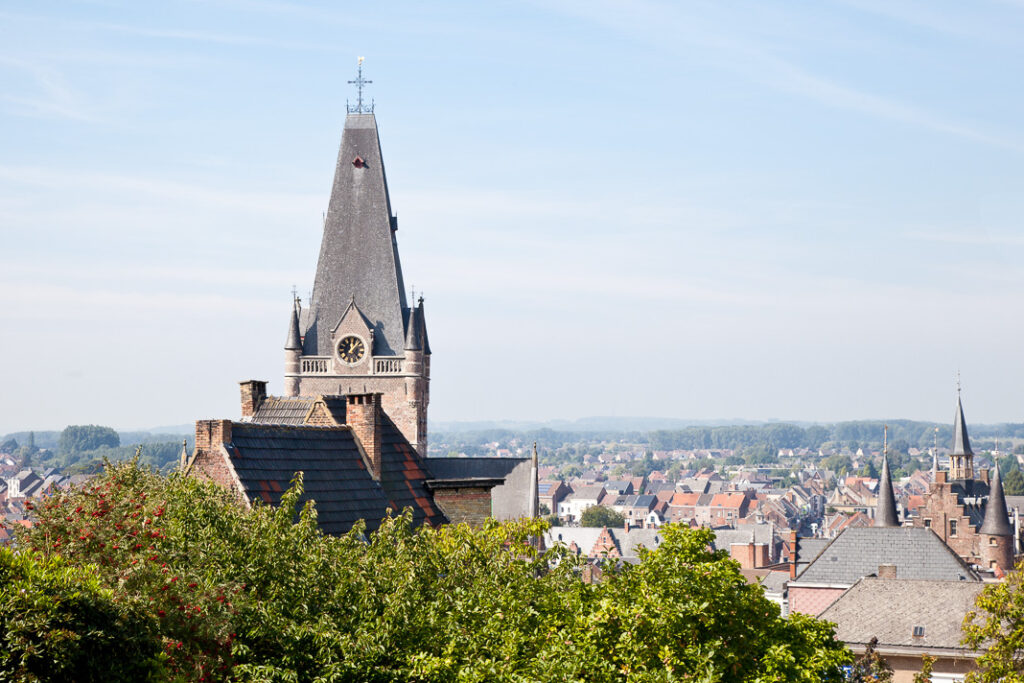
[359, 82]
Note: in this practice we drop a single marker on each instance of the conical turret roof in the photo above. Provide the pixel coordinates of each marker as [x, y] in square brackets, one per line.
[293, 342]
[885, 511]
[414, 334]
[961, 442]
[997, 521]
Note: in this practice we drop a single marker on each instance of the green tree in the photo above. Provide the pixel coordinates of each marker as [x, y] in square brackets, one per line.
[1013, 483]
[79, 438]
[599, 515]
[261, 595]
[871, 667]
[996, 627]
[58, 623]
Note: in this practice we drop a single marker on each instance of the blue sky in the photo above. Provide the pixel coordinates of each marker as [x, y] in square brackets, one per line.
[755, 209]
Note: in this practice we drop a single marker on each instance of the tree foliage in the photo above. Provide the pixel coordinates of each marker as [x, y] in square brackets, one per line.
[599, 515]
[997, 628]
[78, 438]
[57, 623]
[262, 595]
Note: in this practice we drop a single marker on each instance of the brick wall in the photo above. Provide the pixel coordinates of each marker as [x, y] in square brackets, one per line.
[362, 413]
[812, 601]
[210, 461]
[469, 505]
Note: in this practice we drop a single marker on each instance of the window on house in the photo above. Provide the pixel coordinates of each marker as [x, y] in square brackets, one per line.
[952, 527]
[992, 541]
[927, 524]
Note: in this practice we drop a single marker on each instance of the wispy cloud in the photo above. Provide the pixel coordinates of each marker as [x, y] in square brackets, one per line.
[743, 51]
[53, 96]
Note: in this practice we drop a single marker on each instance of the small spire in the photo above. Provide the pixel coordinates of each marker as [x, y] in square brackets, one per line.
[293, 342]
[414, 332]
[961, 442]
[885, 511]
[997, 521]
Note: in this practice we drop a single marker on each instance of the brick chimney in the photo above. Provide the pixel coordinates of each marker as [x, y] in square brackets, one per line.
[761, 555]
[210, 434]
[887, 571]
[254, 391]
[364, 419]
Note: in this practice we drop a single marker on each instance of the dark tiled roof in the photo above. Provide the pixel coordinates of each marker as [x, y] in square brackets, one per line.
[359, 253]
[283, 410]
[403, 477]
[472, 468]
[890, 609]
[266, 458]
[917, 553]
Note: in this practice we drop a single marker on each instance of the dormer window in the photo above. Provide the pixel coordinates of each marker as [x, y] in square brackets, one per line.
[358, 162]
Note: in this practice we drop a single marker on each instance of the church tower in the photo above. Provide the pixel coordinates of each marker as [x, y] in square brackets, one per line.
[359, 334]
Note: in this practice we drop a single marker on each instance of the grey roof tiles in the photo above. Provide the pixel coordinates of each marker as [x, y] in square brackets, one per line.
[891, 609]
[917, 553]
[359, 253]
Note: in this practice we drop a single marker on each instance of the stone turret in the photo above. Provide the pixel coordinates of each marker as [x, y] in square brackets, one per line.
[996, 532]
[292, 354]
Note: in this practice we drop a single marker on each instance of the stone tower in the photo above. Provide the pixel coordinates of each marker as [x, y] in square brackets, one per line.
[358, 334]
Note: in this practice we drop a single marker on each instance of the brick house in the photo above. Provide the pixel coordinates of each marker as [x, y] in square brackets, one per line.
[356, 463]
[969, 514]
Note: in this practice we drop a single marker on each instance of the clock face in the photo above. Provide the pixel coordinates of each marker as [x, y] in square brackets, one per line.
[351, 349]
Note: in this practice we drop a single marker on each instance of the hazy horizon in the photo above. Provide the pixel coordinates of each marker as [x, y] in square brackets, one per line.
[612, 208]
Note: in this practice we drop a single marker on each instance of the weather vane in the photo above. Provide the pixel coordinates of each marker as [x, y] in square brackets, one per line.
[359, 82]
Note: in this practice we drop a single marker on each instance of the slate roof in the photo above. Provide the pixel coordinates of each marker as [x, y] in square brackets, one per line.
[885, 510]
[889, 609]
[359, 252]
[266, 458]
[473, 468]
[917, 553]
[283, 410]
[997, 522]
[961, 442]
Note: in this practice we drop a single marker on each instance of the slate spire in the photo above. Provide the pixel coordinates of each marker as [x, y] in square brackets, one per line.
[997, 521]
[414, 334]
[961, 459]
[293, 342]
[359, 252]
[961, 442]
[885, 511]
